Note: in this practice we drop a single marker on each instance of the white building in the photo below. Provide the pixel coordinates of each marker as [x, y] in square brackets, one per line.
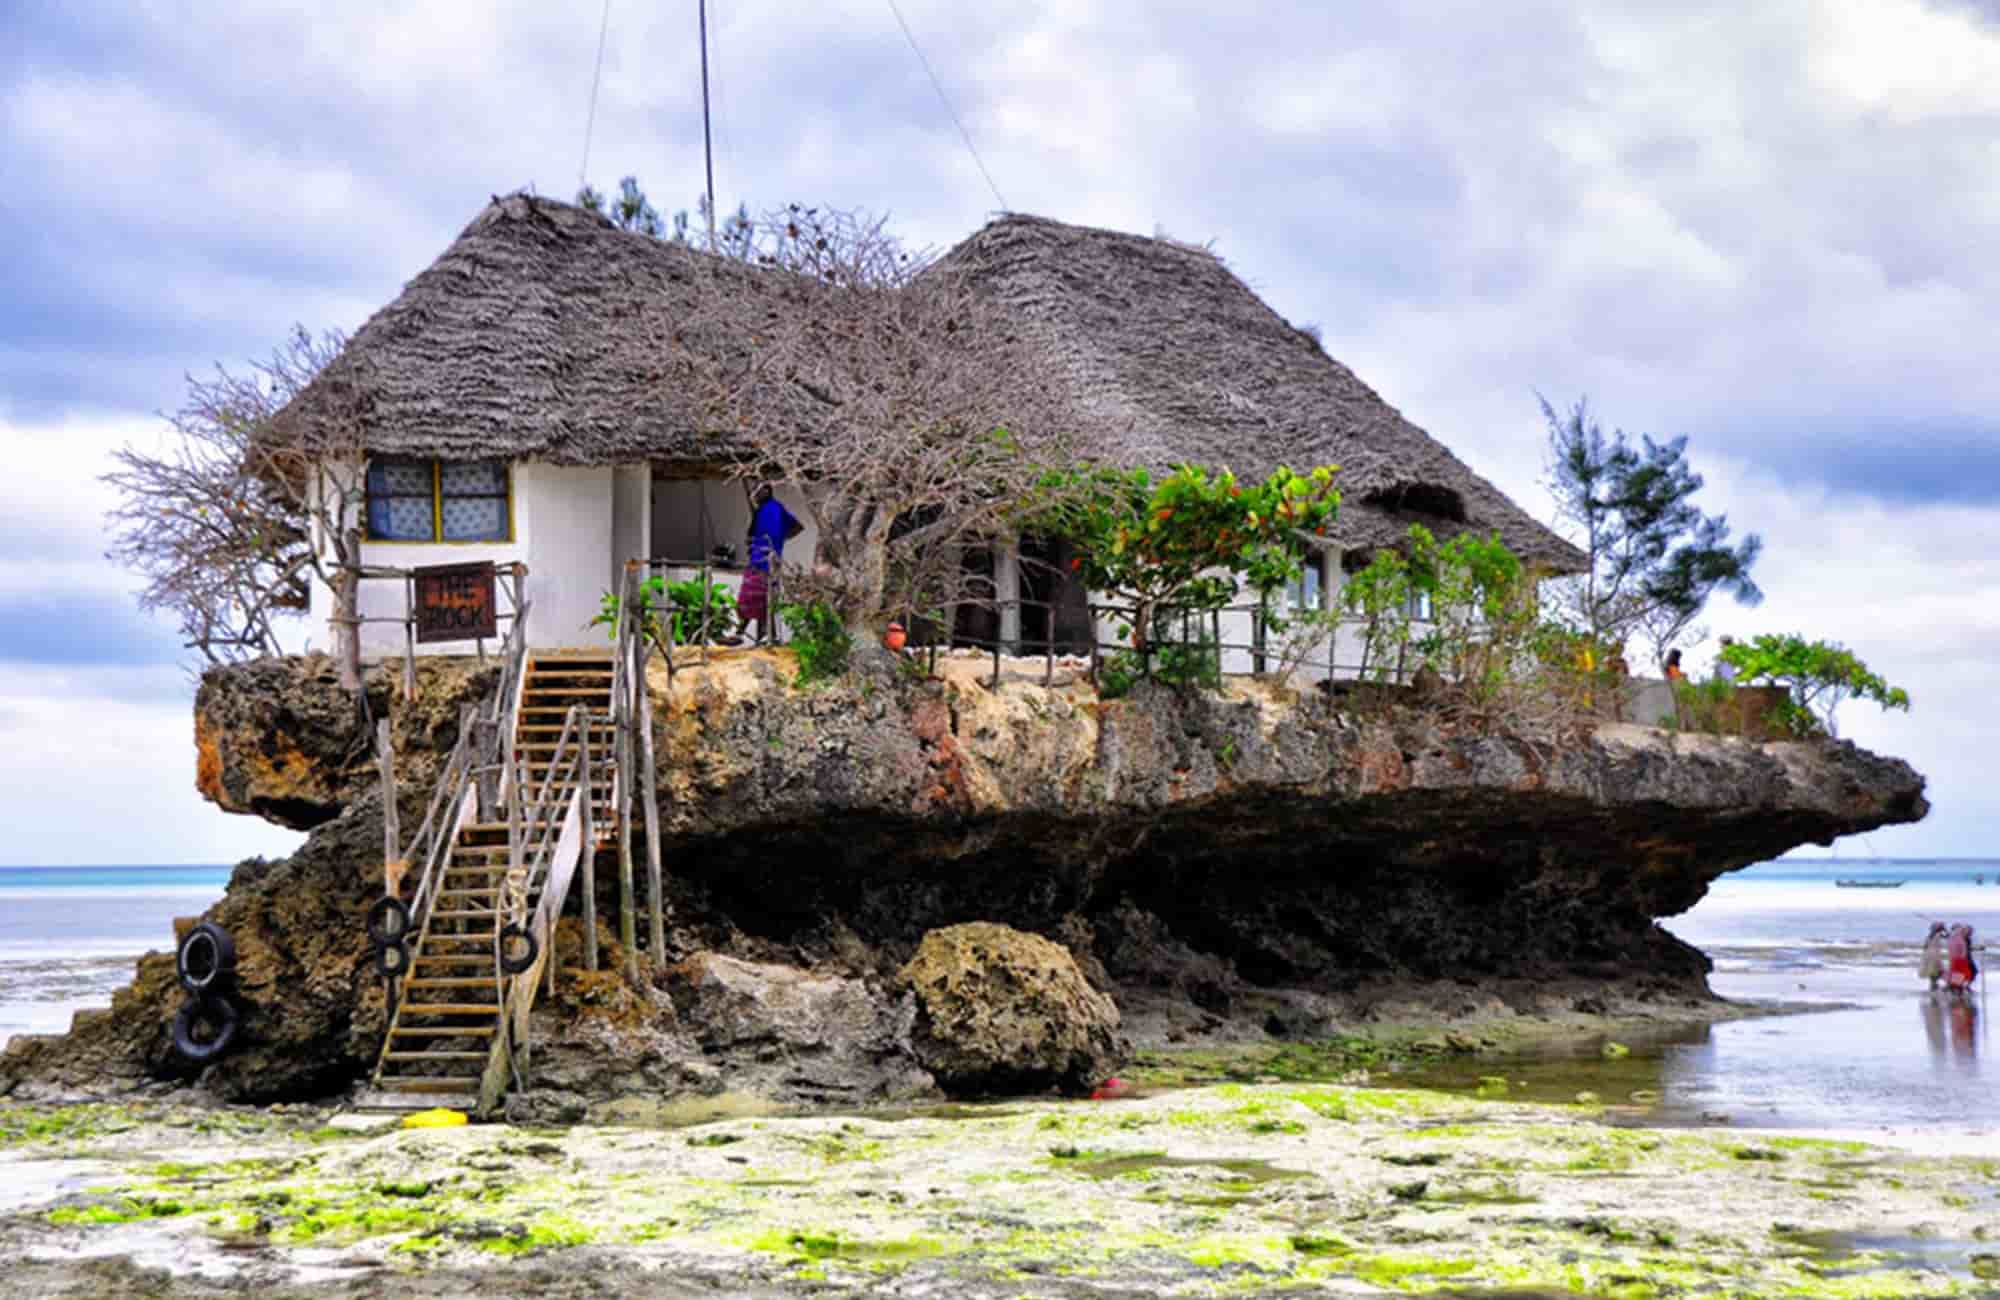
[497, 423]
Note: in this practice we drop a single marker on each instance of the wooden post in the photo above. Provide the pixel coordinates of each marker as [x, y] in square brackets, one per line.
[1049, 644]
[622, 810]
[649, 793]
[409, 637]
[347, 616]
[392, 839]
[589, 854]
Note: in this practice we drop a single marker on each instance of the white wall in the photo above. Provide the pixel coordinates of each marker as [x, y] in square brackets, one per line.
[563, 531]
[631, 517]
[569, 515]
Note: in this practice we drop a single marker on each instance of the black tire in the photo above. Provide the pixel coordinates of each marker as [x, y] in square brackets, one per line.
[206, 959]
[516, 963]
[392, 960]
[388, 920]
[219, 1012]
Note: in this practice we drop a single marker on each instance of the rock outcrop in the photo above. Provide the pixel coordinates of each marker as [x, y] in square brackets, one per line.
[999, 1011]
[1255, 861]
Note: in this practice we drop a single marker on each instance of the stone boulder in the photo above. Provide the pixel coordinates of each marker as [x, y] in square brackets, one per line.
[1001, 1011]
[793, 1035]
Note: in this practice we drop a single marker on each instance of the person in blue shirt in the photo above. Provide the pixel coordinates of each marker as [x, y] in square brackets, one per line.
[771, 526]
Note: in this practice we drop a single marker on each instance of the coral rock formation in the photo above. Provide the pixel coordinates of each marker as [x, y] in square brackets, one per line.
[999, 1011]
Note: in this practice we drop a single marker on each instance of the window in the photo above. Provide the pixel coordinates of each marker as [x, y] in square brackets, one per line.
[438, 500]
[1303, 592]
[1419, 606]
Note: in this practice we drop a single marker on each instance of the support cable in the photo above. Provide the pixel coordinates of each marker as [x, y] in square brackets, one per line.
[590, 119]
[963, 134]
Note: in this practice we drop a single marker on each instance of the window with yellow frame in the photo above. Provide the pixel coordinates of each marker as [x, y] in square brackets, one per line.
[414, 500]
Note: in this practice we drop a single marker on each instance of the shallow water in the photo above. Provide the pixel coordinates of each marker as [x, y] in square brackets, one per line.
[1879, 1057]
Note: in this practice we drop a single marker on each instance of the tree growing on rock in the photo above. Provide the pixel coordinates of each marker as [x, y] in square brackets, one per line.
[1654, 557]
[221, 521]
[907, 406]
[1822, 675]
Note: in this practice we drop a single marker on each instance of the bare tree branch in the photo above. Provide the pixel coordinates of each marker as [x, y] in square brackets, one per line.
[914, 414]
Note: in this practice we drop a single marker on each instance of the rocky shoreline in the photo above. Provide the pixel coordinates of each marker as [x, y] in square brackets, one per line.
[1244, 868]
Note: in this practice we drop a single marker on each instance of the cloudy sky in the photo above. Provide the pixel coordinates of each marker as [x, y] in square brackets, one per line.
[1769, 227]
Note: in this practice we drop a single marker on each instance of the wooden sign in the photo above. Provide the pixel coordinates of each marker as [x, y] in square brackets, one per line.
[455, 602]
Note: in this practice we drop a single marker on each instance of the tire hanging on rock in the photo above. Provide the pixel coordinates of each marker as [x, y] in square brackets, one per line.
[512, 963]
[206, 959]
[217, 1011]
[388, 920]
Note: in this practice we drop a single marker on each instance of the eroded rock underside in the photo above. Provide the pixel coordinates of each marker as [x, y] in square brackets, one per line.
[1252, 862]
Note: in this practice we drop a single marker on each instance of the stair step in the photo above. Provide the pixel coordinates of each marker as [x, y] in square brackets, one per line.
[435, 1057]
[452, 958]
[464, 916]
[467, 1085]
[384, 1101]
[470, 892]
[451, 1008]
[450, 981]
[449, 1031]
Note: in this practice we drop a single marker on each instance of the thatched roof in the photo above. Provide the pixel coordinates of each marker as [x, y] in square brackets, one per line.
[507, 346]
[1172, 358]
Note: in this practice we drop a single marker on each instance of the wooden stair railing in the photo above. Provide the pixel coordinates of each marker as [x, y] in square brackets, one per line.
[458, 1033]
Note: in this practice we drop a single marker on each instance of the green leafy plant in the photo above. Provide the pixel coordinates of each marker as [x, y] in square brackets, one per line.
[694, 607]
[819, 639]
[1185, 542]
[673, 613]
[1822, 675]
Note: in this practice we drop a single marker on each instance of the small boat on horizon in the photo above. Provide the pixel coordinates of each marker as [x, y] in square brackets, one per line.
[1871, 884]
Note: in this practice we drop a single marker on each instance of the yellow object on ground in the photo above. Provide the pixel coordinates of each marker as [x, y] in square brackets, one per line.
[438, 1118]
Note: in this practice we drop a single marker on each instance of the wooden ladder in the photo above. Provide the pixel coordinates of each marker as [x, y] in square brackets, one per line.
[446, 1026]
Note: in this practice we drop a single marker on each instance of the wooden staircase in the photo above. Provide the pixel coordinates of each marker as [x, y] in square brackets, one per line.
[446, 1037]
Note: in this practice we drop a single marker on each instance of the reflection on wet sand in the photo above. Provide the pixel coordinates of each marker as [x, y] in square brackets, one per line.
[1952, 1025]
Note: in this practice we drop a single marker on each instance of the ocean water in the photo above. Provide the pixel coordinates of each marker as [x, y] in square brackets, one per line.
[1892, 1061]
[69, 935]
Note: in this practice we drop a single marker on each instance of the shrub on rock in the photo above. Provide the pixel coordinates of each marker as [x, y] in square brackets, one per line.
[1001, 1011]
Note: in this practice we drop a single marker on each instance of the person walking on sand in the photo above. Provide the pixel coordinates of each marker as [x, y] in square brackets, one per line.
[1960, 970]
[1931, 965]
[771, 526]
[1672, 669]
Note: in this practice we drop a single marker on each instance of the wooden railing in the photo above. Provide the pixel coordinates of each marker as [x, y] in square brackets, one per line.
[548, 834]
[516, 575]
[476, 757]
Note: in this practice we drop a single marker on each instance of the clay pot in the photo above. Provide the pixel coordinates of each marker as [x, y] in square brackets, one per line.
[894, 637]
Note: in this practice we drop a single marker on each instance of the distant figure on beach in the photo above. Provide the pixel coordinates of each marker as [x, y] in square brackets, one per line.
[771, 526]
[1724, 670]
[1931, 966]
[1960, 969]
[1673, 667]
